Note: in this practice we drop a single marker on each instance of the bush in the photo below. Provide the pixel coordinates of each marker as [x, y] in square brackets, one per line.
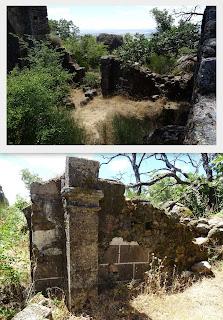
[129, 130]
[135, 49]
[35, 96]
[92, 79]
[86, 50]
[161, 64]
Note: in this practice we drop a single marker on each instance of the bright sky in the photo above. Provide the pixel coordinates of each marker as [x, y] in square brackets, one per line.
[50, 166]
[96, 17]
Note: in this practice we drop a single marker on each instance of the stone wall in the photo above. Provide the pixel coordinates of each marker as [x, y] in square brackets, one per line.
[202, 119]
[24, 20]
[3, 199]
[85, 235]
[140, 82]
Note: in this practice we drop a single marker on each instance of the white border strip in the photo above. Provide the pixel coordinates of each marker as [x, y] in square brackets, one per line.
[110, 148]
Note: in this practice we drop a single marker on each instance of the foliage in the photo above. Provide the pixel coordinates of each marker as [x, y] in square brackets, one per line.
[28, 178]
[63, 28]
[171, 41]
[92, 79]
[161, 64]
[129, 130]
[135, 49]
[86, 50]
[35, 97]
[164, 20]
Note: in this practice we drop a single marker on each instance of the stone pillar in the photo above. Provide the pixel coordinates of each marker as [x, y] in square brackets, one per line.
[48, 236]
[81, 204]
[110, 73]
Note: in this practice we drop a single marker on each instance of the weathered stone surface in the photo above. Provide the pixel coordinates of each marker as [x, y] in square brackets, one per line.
[81, 172]
[202, 267]
[168, 135]
[140, 82]
[34, 312]
[24, 20]
[202, 229]
[216, 235]
[202, 119]
[206, 80]
[201, 127]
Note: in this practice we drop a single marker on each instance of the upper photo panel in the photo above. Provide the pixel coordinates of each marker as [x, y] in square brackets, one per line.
[111, 75]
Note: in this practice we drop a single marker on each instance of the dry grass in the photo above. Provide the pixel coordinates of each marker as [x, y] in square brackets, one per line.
[202, 301]
[97, 116]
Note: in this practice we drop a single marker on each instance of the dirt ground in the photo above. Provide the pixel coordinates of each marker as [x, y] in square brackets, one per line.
[99, 112]
[202, 301]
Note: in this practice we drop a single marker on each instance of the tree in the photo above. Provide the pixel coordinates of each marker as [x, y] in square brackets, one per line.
[199, 190]
[28, 178]
[63, 28]
[164, 20]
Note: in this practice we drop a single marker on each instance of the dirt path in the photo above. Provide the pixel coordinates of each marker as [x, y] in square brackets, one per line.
[99, 112]
[202, 301]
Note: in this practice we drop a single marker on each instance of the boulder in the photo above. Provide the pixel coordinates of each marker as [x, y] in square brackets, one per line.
[216, 235]
[201, 241]
[85, 101]
[34, 312]
[202, 229]
[202, 267]
[91, 93]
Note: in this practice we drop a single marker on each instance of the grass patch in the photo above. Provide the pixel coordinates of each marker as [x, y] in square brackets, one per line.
[129, 130]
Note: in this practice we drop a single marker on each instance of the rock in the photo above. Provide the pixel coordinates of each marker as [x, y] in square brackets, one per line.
[206, 80]
[216, 235]
[112, 41]
[155, 97]
[86, 89]
[70, 105]
[202, 229]
[85, 101]
[34, 312]
[168, 135]
[201, 241]
[186, 64]
[202, 267]
[91, 93]
[203, 220]
[209, 48]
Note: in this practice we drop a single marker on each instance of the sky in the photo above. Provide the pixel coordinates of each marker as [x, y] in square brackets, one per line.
[50, 166]
[109, 17]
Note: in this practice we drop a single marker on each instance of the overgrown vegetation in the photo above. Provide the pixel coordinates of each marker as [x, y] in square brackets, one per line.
[14, 260]
[160, 51]
[35, 108]
[129, 130]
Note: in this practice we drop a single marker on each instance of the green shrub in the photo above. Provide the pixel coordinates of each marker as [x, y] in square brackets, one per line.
[161, 64]
[35, 98]
[86, 50]
[92, 79]
[129, 130]
[135, 49]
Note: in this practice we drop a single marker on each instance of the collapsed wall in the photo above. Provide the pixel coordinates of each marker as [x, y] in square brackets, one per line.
[86, 236]
[202, 119]
[24, 20]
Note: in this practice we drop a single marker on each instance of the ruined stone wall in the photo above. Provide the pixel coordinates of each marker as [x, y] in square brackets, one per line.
[48, 236]
[3, 199]
[202, 119]
[85, 235]
[24, 20]
[140, 82]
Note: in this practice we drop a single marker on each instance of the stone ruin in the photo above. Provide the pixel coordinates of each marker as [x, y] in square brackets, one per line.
[198, 88]
[85, 236]
[23, 21]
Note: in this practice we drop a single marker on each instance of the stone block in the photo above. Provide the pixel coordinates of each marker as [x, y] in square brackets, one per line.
[140, 269]
[111, 255]
[81, 172]
[206, 80]
[125, 272]
[34, 312]
[133, 254]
